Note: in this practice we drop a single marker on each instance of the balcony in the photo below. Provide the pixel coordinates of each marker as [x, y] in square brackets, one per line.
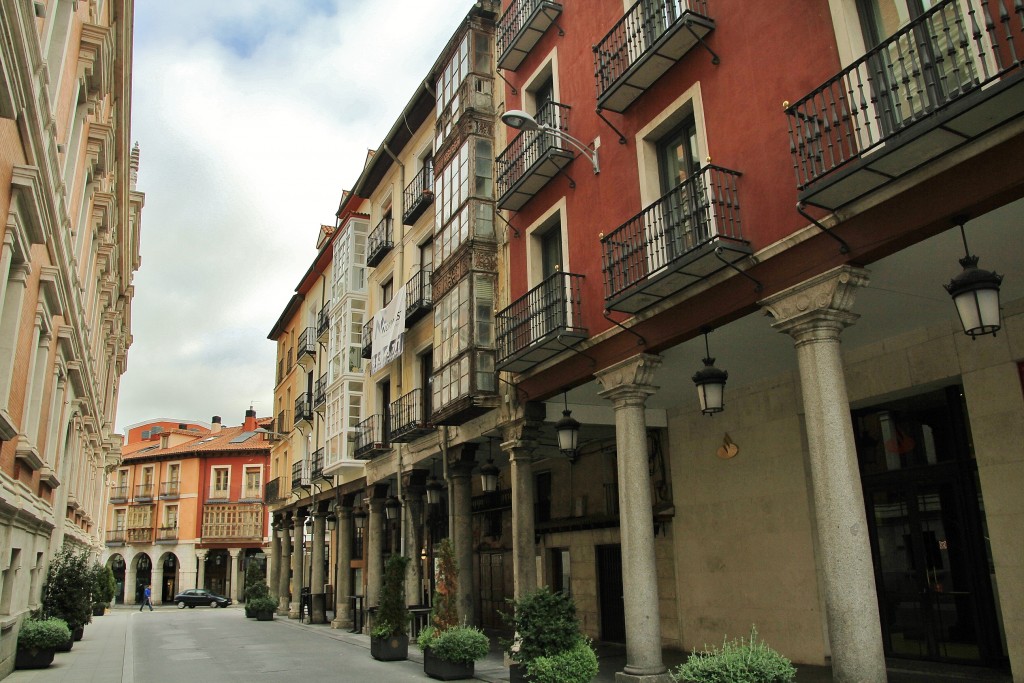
[419, 297]
[419, 194]
[367, 338]
[532, 159]
[379, 242]
[144, 492]
[939, 83]
[371, 437]
[492, 502]
[520, 27]
[116, 537]
[272, 492]
[409, 418]
[544, 322]
[140, 535]
[300, 475]
[218, 495]
[170, 490]
[167, 534]
[305, 350]
[690, 233]
[251, 495]
[233, 522]
[303, 409]
[323, 323]
[648, 40]
[119, 494]
[282, 425]
[316, 464]
[320, 394]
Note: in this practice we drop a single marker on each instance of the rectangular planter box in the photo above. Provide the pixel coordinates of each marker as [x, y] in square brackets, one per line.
[393, 649]
[445, 671]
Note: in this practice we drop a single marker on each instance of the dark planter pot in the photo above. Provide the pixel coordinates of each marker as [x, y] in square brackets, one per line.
[249, 613]
[98, 610]
[264, 616]
[66, 647]
[77, 633]
[435, 667]
[517, 673]
[392, 649]
[33, 659]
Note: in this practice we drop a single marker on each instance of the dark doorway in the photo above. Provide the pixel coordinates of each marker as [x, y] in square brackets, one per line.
[609, 587]
[170, 587]
[143, 576]
[492, 589]
[117, 566]
[927, 523]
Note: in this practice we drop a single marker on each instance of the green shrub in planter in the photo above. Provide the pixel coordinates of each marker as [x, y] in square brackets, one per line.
[737, 661]
[43, 634]
[262, 605]
[544, 624]
[459, 645]
[575, 665]
[69, 588]
[392, 617]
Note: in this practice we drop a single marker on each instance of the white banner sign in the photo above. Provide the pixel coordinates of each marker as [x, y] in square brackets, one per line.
[388, 332]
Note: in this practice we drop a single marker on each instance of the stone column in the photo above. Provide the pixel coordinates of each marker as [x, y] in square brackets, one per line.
[298, 549]
[343, 583]
[519, 443]
[627, 385]
[413, 491]
[234, 591]
[375, 551]
[284, 571]
[129, 584]
[201, 569]
[318, 605]
[814, 313]
[274, 568]
[157, 582]
[461, 472]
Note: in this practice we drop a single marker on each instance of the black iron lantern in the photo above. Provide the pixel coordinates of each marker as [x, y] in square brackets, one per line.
[392, 507]
[710, 383]
[434, 489]
[489, 476]
[332, 521]
[359, 518]
[975, 293]
[568, 430]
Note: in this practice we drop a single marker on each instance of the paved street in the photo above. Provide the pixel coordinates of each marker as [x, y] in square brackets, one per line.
[222, 646]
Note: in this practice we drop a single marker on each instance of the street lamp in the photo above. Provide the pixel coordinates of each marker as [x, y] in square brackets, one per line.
[975, 293]
[489, 476]
[520, 120]
[359, 518]
[710, 383]
[392, 506]
[568, 430]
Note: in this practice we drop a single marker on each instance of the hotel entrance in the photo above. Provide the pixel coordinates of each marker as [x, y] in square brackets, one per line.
[933, 567]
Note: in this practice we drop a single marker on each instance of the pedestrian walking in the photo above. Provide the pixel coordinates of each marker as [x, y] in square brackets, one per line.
[147, 599]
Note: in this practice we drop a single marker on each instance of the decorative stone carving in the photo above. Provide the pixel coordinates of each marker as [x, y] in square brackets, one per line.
[830, 294]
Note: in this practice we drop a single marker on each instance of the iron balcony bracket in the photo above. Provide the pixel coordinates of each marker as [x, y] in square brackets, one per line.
[593, 361]
[513, 88]
[572, 183]
[523, 397]
[689, 27]
[640, 340]
[622, 138]
[758, 286]
[844, 248]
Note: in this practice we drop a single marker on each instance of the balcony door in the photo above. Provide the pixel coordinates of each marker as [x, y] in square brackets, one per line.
[683, 216]
[551, 300]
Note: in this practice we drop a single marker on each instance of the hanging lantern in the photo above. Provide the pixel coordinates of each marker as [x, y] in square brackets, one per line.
[489, 476]
[975, 293]
[392, 508]
[568, 430]
[434, 489]
[359, 518]
[710, 383]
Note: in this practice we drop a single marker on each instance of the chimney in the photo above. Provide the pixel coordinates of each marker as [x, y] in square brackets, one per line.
[250, 420]
[215, 424]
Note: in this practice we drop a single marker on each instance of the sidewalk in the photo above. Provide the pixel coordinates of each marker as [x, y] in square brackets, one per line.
[612, 658]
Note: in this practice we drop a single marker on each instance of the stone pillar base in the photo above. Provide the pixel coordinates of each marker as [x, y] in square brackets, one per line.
[623, 677]
[294, 610]
[342, 623]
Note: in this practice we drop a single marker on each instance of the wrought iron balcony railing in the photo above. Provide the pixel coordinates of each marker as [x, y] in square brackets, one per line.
[410, 417]
[367, 339]
[944, 79]
[303, 408]
[419, 298]
[166, 534]
[419, 194]
[379, 242]
[170, 489]
[371, 437]
[272, 491]
[323, 323]
[542, 323]
[316, 464]
[320, 393]
[520, 27]
[305, 349]
[144, 491]
[685, 236]
[300, 475]
[116, 537]
[533, 158]
[119, 494]
[648, 40]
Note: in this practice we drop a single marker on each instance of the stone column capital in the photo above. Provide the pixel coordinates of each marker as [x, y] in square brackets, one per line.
[520, 437]
[233, 552]
[201, 554]
[629, 382]
[818, 308]
[343, 512]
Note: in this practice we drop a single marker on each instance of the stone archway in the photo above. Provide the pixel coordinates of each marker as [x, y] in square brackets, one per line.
[141, 567]
[166, 583]
[117, 565]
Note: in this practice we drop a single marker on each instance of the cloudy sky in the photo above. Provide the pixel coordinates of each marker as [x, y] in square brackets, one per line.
[252, 117]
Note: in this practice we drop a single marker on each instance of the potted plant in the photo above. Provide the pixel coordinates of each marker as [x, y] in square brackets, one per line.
[262, 607]
[389, 637]
[747, 660]
[38, 640]
[68, 591]
[450, 650]
[548, 646]
[256, 590]
[103, 587]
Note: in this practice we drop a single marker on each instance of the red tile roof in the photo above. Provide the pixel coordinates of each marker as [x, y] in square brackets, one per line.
[204, 443]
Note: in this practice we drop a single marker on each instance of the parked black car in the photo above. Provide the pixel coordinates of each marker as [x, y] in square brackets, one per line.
[200, 596]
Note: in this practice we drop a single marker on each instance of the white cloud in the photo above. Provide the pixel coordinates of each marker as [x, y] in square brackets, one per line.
[252, 117]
